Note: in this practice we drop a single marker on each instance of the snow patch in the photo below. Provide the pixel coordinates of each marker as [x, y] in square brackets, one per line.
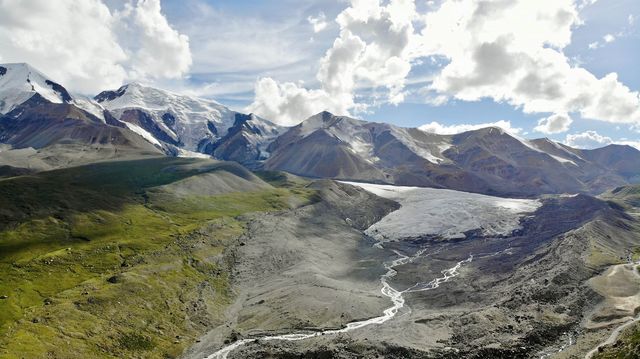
[90, 106]
[559, 148]
[428, 154]
[142, 132]
[445, 213]
[190, 154]
[532, 146]
[265, 133]
[562, 160]
[444, 146]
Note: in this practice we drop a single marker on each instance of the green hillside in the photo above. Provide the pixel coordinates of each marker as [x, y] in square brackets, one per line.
[105, 261]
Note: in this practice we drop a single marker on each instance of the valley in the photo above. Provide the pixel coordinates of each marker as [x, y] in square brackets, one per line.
[144, 223]
[506, 296]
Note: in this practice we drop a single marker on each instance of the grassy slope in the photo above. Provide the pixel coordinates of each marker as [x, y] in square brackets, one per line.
[94, 264]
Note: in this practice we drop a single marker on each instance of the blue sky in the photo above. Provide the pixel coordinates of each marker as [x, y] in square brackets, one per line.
[293, 51]
[564, 69]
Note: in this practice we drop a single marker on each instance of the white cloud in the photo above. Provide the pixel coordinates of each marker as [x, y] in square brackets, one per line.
[631, 20]
[556, 123]
[232, 48]
[608, 38]
[592, 139]
[319, 23]
[442, 129]
[436, 101]
[588, 140]
[594, 45]
[86, 47]
[288, 104]
[155, 49]
[631, 143]
[494, 54]
[370, 52]
[490, 51]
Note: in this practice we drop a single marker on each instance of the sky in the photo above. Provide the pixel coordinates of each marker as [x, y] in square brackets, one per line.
[563, 69]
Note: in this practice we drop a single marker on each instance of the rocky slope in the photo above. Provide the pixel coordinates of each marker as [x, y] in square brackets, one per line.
[488, 161]
[246, 141]
[522, 295]
[138, 120]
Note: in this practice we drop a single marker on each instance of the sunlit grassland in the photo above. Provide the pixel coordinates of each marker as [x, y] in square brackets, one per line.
[109, 267]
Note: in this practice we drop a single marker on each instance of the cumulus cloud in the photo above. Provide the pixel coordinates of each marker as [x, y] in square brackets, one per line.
[87, 47]
[494, 54]
[588, 140]
[557, 123]
[489, 52]
[319, 23]
[154, 48]
[288, 104]
[443, 129]
[592, 139]
[370, 52]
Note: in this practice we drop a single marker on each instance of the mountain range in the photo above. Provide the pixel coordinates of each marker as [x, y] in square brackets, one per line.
[146, 223]
[43, 126]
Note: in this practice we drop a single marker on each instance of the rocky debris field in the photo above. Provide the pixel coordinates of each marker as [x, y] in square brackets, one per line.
[522, 295]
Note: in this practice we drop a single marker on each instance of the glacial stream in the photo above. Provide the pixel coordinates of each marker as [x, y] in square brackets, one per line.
[387, 290]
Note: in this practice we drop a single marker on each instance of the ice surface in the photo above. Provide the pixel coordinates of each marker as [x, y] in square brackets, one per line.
[445, 213]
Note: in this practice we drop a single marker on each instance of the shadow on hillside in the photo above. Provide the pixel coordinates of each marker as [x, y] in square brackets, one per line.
[102, 186]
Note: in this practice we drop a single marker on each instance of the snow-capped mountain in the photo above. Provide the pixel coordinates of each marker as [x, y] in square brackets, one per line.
[178, 125]
[165, 117]
[186, 126]
[352, 147]
[347, 148]
[42, 126]
[246, 141]
[19, 82]
[136, 120]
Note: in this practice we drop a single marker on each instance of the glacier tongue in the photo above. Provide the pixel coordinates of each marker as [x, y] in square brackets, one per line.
[445, 213]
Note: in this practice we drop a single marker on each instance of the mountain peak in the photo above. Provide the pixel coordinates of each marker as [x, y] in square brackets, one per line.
[326, 115]
[20, 65]
[490, 130]
[133, 89]
[136, 84]
[326, 120]
[21, 71]
[621, 147]
[140, 95]
[20, 81]
[177, 119]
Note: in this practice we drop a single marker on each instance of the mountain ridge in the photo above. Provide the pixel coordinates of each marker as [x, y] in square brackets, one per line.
[488, 160]
[159, 122]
